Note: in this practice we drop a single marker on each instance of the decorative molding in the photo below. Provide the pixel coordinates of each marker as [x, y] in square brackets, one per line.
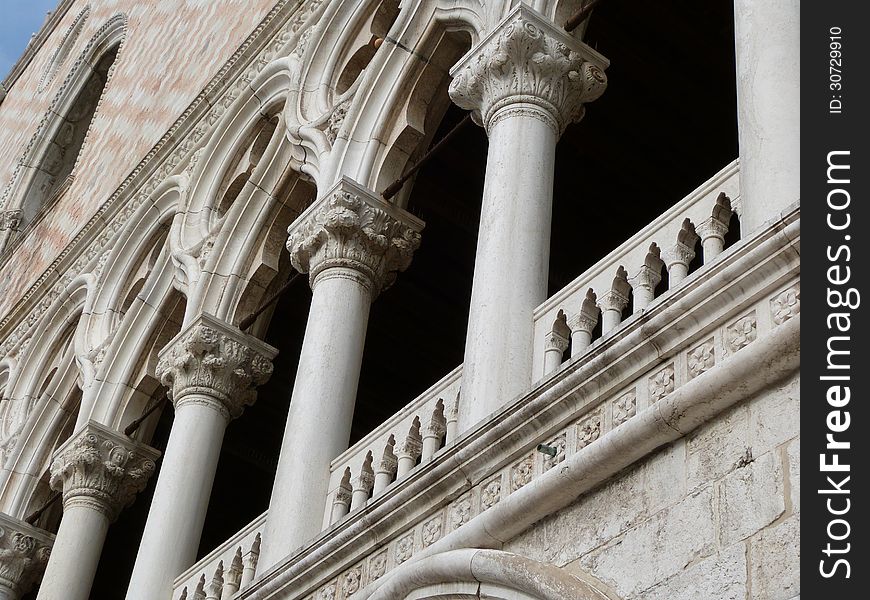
[527, 64]
[24, 552]
[661, 384]
[701, 359]
[212, 362]
[741, 333]
[101, 469]
[786, 305]
[352, 228]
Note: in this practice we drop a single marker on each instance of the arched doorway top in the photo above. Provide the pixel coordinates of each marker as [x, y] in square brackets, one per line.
[496, 574]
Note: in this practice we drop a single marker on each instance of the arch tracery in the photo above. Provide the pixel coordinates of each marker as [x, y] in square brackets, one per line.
[45, 169]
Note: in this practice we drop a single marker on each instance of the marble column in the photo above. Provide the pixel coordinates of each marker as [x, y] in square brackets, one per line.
[525, 82]
[352, 243]
[24, 552]
[767, 45]
[99, 471]
[211, 370]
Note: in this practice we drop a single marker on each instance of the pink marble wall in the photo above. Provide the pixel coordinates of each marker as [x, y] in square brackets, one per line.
[173, 48]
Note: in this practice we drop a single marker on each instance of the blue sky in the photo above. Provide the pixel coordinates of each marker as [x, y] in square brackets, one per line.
[18, 20]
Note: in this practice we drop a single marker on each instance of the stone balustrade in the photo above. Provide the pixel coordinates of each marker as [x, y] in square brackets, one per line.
[226, 569]
[410, 437]
[406, 439]
[746, 296]
[630, 278]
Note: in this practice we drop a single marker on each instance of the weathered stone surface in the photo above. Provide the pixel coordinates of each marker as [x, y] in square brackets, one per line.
[608, 511]
[658, 548]
[751, 498]
[719, 577]
[775, 567]
[571, 533]
[718, 448]
[775, 419]
[793, 454]
[664, 477]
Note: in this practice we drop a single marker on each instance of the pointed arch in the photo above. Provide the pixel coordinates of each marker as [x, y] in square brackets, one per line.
[47, 166]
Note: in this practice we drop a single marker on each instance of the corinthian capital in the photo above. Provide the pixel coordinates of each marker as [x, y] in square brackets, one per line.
[527, 61]
[10, 219]
[24, 551]
[352, 227]
[211, 362]
[101, 469]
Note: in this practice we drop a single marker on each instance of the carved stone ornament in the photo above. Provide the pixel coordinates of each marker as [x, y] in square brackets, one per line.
[528, 61]
[212, 362]
[101, 469]
[10, 219]
[353, 228]
[24, 552]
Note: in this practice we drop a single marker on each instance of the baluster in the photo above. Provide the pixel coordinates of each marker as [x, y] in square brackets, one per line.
[678, 257]
[713, 230]
[583, 324]
[341, 502]
[644, 282]
[362, 484]
[453, 419]
[250, 562]
[199, 592]
[555, 344]
[233, 576]
[434, 432]
[386, 470]
[215, 587]
[409, 450]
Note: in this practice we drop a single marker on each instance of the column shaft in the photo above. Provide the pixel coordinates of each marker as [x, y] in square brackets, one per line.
[321, 411]
[177, 515]
[767, 39]
[511, 262]
[211, 370]
[525, 82]
[78, 546]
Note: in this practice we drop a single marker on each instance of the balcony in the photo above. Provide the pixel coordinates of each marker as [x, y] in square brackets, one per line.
[413, 487]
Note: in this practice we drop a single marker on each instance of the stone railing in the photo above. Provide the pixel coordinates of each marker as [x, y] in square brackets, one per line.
[649, 264]
[410, 437]
[224, 571]
[650, 382]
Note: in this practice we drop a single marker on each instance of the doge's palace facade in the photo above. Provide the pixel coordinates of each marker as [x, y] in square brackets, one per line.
[394, 300]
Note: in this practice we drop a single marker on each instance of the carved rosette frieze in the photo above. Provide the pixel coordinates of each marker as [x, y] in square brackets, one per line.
[353, 228]
[101, 469]
[212, 362]
[527, 64]
[24, 552]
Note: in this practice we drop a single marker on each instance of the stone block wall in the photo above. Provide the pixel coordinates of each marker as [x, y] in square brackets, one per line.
[713, 516]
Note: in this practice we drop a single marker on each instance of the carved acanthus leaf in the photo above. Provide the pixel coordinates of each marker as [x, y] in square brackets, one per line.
[351, 227]
[102, 469]
[528, 60]
[215, 360]
[24, 552]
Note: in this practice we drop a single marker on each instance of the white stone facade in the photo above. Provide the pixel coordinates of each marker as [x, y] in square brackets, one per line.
[632, 435]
